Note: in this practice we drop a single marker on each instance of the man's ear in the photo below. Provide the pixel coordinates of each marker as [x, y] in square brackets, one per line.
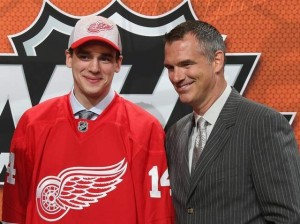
[68, 58]
[119, 63]
[219, 61]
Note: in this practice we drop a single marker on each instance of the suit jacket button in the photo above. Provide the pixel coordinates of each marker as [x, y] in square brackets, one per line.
[190, 210]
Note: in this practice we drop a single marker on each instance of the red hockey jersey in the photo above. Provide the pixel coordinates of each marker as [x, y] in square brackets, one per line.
[66, 170]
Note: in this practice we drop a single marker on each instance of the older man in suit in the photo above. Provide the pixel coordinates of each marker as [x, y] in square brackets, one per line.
[240, 164]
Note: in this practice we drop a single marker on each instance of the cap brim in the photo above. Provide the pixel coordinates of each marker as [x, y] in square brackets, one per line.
[94, 38]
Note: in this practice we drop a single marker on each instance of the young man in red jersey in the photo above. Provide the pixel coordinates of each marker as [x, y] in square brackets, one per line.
[108, 167]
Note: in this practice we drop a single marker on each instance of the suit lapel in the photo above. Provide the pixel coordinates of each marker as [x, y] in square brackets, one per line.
[183, 145]
[217, 139]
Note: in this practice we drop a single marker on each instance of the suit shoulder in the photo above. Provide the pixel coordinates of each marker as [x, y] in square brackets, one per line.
[180, 124]
[257, 108]
[256, 111]
[184, 119]
[247, 106]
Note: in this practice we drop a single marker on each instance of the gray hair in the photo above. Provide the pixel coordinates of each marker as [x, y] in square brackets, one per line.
[209, 38]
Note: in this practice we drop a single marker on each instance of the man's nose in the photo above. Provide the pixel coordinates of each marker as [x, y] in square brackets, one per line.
[94, 66]
[177, 75]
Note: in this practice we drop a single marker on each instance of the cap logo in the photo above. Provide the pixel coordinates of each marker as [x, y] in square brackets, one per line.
[99, 26]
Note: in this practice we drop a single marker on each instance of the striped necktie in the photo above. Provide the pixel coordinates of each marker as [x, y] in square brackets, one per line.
[85, 114]
[200, 141]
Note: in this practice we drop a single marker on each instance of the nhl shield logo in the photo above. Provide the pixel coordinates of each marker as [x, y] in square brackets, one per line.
[83, 126]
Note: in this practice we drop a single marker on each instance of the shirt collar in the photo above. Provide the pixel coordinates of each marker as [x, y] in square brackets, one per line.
[212, 114]
[97, 109]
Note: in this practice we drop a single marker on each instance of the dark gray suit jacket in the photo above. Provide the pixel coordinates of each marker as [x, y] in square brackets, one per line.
[248, 172]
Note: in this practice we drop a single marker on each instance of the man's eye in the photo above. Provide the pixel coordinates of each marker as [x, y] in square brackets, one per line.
[168, 67]
[83, 57]
[106, 59]
[186, 65]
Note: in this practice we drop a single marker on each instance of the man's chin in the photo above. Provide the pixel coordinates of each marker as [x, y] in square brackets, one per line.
[185, 100]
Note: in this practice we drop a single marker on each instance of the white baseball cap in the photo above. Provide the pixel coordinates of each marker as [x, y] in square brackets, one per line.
[95, 28]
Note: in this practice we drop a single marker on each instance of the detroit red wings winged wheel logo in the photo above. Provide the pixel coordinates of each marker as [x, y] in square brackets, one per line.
[76, 188]
[98, 26]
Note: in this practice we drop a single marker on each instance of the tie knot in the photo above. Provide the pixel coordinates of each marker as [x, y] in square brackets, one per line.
[85, 114]
[201, 123]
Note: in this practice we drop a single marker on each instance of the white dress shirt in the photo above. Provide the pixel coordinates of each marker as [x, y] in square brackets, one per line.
[211, 117]
[97, 109]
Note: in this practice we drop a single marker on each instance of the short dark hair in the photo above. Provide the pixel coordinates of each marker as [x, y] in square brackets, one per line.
[209, 38]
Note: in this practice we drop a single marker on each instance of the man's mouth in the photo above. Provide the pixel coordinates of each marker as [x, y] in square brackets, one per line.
[183, 86]
[92, 79]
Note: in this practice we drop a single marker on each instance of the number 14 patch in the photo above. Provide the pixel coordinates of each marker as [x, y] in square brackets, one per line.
[163, 181]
